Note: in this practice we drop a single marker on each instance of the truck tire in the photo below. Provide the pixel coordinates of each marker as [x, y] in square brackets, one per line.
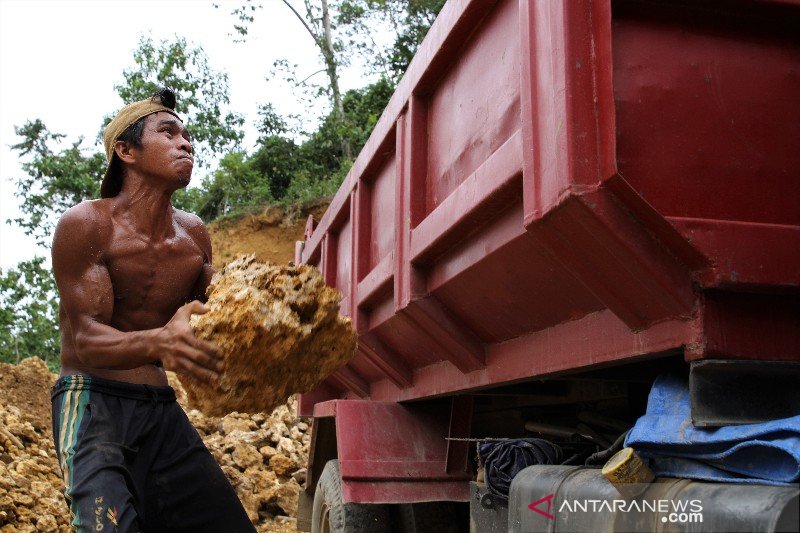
[438, 517]
[331, 515]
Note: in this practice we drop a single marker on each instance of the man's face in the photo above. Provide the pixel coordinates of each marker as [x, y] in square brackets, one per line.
[166, 150]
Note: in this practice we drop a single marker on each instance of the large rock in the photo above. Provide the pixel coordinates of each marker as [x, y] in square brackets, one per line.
[287, 495]
[279, 330]
[246, 455]
[282, 465]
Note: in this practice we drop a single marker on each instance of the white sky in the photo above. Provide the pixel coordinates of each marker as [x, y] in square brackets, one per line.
[59, 61]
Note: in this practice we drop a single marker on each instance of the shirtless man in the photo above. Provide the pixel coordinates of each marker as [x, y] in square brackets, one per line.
[130, 270]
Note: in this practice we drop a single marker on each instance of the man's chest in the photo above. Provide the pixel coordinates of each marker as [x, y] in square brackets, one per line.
[154, 274]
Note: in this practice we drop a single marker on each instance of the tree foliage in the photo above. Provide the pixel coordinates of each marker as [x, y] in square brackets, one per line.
[409, 20]
[317, 22]
[346, 32]
[234, 185]
[357, 29]
[362, 109]
[54, 179]
[29, 313]
[283, 171]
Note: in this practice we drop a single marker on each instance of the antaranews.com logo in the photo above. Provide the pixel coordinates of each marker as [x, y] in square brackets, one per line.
[671, 511]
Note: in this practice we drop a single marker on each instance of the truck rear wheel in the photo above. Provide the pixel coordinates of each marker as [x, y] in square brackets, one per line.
[331, 515]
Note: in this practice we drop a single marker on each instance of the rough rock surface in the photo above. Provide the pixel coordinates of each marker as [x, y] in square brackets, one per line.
[279, 330]
[30, 479]
[31, 486]
[263, 455]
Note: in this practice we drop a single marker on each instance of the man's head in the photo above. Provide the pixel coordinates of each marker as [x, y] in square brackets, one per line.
[148, 137]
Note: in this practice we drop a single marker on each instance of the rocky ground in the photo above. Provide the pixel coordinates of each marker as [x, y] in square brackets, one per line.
[30, 480]
[262, 454]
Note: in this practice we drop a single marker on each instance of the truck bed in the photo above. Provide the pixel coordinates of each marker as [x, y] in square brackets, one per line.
[562, 186]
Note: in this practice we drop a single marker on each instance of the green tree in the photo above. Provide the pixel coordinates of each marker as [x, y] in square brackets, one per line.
[276, 160]
[283, 171]
[362, 107]
[276, 157]
[54, 179]
[232, 188]
[418, 18]
[317, 23]
[357, 28]
[29, 313]
[342, 30]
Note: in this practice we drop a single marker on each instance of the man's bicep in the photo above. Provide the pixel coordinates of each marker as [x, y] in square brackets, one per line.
[203, 281]
[83, 281]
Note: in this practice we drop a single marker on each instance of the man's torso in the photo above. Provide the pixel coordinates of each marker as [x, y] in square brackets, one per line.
[150, 279]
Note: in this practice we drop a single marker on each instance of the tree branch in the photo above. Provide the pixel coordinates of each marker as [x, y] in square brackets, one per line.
[312, 74]
[303, 21]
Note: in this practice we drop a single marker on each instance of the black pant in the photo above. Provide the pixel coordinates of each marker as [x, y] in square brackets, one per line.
[132, 461]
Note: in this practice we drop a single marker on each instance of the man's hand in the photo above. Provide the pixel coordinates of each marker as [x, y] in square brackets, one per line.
[181, 351]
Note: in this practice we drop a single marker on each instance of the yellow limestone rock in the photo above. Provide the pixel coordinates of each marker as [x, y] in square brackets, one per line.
[279, 330]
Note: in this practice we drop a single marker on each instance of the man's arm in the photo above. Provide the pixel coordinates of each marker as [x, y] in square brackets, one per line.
[87, 297]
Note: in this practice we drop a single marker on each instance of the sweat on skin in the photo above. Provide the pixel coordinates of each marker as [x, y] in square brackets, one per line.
[131, 269]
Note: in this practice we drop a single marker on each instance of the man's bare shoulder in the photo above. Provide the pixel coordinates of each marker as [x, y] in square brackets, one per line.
[189, 220]
[195, 227]
[89, 221]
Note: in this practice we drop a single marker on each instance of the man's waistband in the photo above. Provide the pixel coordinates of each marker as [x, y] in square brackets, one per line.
[133, 391]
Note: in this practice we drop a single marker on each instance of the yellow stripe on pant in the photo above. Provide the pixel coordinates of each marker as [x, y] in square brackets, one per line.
[73, 408]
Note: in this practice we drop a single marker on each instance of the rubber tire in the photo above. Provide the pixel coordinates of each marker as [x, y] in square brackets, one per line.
[341, 517]
[438, 517]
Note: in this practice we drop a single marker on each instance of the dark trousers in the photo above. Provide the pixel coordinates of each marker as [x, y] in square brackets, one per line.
[132, 461]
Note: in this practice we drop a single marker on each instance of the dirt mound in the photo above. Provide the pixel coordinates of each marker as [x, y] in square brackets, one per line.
[263, 455]
[279, 330]
[30, 480]
[27, 387]
[269, 234]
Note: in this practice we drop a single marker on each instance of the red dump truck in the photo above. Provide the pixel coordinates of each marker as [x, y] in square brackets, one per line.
[563, 199]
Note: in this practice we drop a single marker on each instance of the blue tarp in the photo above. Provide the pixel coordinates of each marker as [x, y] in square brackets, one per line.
[764, 453]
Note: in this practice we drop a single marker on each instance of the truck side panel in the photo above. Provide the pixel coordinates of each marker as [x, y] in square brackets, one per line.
[561, 185]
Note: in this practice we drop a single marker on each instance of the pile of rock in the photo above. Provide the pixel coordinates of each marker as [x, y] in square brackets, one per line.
[30, 496]
[262, 454]
[31, 486]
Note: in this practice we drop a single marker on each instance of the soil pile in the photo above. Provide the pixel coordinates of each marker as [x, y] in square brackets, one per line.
[270, 234]
[279, 330]
[31, 486]
[263, 455]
